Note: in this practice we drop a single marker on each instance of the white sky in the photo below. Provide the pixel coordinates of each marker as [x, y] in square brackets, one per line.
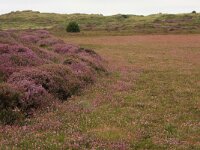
[106, 7]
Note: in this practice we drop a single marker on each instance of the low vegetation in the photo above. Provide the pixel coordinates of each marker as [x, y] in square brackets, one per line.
[117, 24]
[148, 100]
[37, 69]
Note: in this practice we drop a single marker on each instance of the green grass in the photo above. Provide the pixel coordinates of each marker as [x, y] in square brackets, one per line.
[123, 24]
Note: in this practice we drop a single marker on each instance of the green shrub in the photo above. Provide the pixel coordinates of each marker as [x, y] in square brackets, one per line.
[125, 16]
[73, 27]
[194, 12]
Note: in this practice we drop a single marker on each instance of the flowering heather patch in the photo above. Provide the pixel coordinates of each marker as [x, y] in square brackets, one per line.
[34, 96]
[39, 34]
[34, 36]
[79, 55]
[30, 38]
[83, 72]
[89, 52]
[67, 82]
[3, 48]
[58, 80]
[49, 42]
[42, 33]
[5, 37]
[13, 57]
[81, 68]
[65, 48]
[32, 64]
[92, 60]
[4, 34]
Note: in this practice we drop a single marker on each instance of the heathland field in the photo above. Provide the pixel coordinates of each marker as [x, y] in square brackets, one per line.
[149, 100]
[111, 86]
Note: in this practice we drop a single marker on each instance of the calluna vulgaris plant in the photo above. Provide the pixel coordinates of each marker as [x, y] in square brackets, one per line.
[36, 69]
[9, 103]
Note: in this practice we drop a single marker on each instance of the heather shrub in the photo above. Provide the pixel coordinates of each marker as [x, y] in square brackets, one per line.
[73, 27]
[94, 62]
[13, 57]
[34, 75]
[19, 61]
[80, 69]
[6, 38]
[85, 59]
[10, 97]
[33, 37]
[34, 95]
[8, 49]
[89, 57]
[89, 53]
[6, 71]
[9, 104]
[57, 80]
[65, 48]
[71, 59]
[83, 72]
[2, 77]
[4, 48]
[41, 33]
[49, 42]
[38, 70]
[4, 34]
[30, 38]
[67, 83]
[45, 55]
[10, 117]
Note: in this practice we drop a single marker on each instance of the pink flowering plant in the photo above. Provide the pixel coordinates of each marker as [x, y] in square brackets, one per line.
[37, 69]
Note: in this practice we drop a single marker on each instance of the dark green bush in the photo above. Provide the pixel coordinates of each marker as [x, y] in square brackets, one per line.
[73, 27]
[194, 12]
[125, 16]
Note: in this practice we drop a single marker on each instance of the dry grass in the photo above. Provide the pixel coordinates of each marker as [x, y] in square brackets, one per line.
[149, 101]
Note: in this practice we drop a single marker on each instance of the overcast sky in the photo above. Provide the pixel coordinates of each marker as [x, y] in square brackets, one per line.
[106, 7]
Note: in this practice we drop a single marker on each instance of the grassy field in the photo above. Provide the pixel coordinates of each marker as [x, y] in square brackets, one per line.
[131, 24]
[150, 99]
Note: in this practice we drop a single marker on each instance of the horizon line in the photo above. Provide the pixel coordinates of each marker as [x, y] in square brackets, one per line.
[49, 12]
